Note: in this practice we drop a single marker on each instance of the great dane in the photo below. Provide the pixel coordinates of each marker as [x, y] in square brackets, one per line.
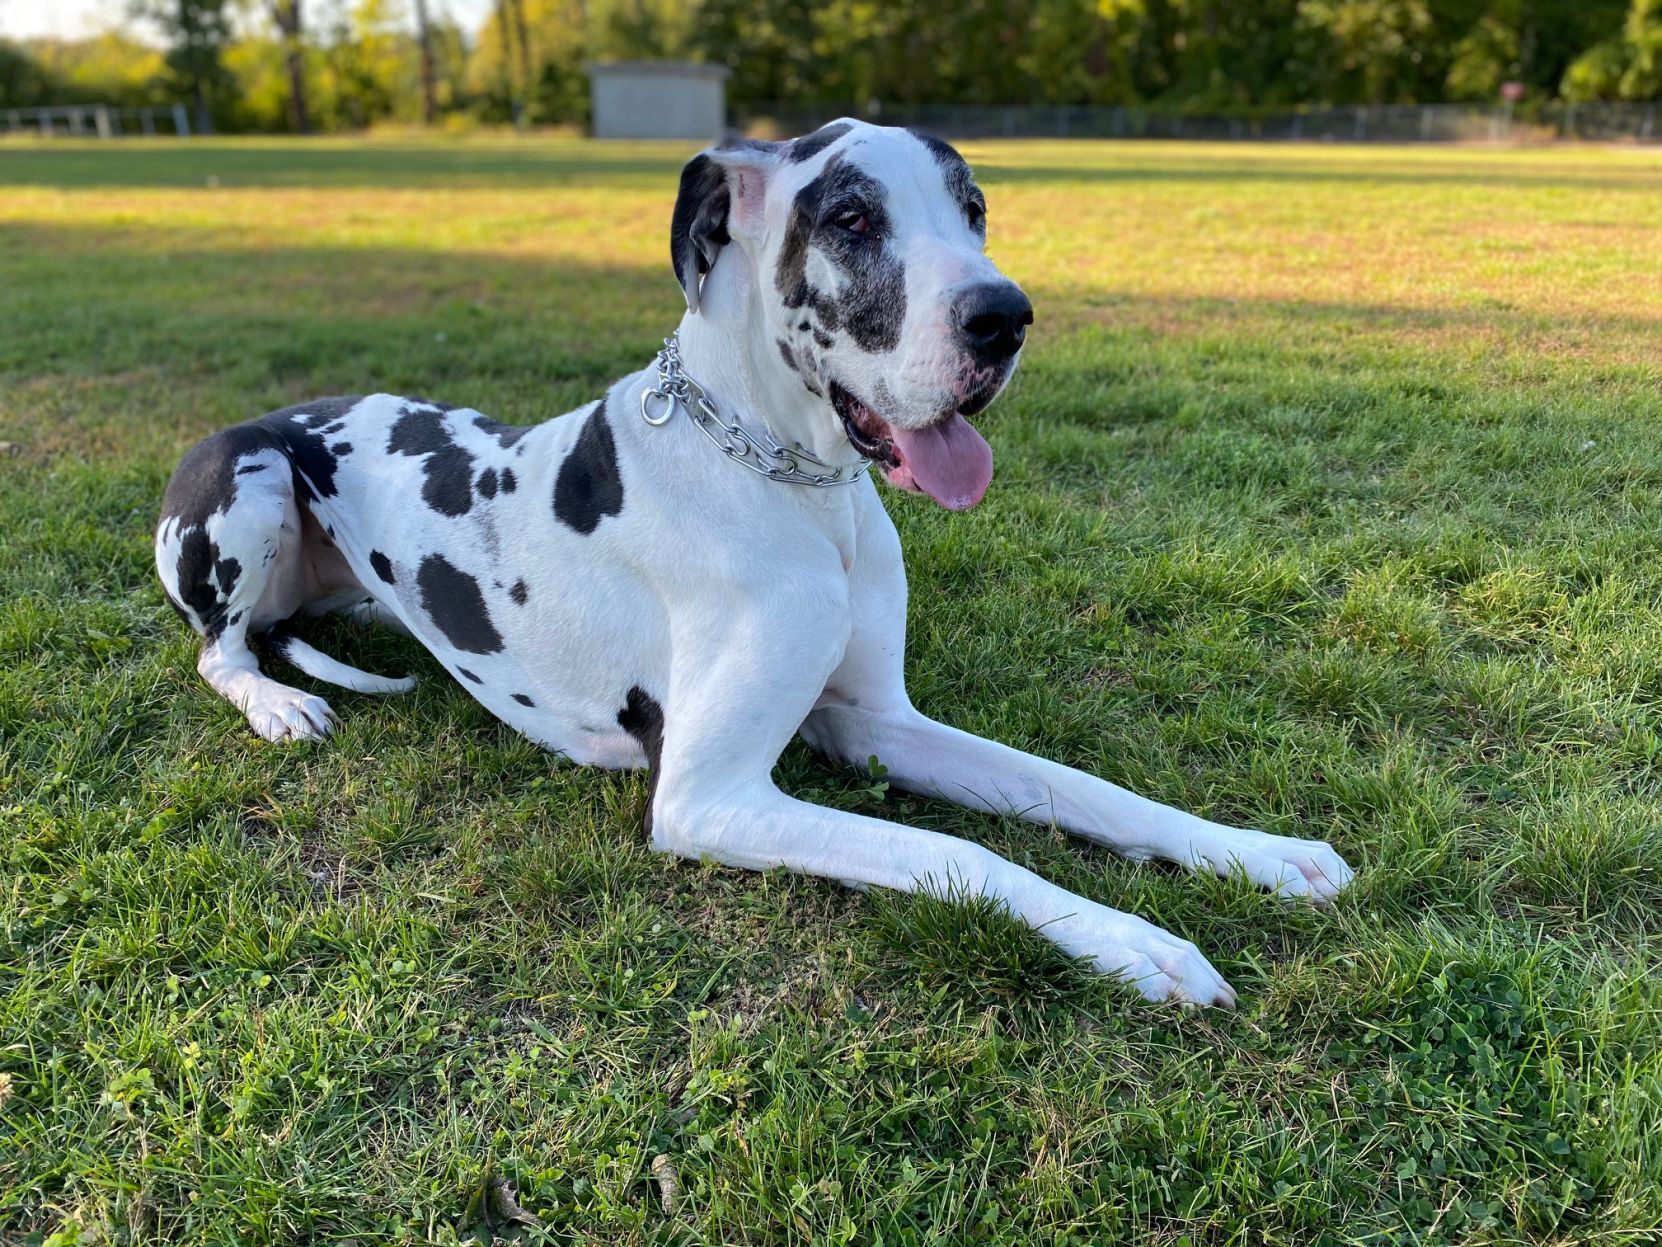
[688, 571]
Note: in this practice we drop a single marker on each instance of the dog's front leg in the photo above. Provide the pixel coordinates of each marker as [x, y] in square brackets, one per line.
[758, 827]
[931, 758]
[726, 717]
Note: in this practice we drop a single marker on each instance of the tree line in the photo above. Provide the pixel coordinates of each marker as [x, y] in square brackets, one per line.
[305, 65]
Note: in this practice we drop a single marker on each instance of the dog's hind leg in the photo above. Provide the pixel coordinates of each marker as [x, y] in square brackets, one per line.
[228, 554]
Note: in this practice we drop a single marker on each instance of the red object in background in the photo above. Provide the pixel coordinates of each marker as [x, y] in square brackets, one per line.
[1511, 92]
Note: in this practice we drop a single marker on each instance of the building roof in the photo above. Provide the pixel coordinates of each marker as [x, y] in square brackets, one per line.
[659, 69]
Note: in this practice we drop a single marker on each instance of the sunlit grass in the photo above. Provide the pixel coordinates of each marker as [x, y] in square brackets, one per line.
[1326, 502]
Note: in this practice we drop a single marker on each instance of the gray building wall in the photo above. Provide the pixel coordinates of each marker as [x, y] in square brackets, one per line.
[658, 100]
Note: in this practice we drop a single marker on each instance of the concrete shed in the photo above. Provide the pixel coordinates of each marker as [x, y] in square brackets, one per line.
[658, 100]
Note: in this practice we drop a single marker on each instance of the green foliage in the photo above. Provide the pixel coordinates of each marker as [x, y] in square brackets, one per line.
[361, 58]
[1625, 68]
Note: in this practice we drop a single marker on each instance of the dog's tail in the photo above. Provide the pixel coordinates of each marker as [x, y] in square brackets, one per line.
[320, 666]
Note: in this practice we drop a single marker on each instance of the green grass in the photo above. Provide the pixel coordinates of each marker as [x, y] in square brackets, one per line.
[1328, 501]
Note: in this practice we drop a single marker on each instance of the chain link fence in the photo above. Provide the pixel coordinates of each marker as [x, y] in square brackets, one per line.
[1385, 123]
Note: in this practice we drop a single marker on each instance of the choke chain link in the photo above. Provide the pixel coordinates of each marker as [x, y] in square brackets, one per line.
[758, 452]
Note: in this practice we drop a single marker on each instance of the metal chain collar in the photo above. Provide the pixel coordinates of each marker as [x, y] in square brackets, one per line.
[758, 452]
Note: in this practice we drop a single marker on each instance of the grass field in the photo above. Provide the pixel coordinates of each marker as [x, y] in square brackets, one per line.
[1328, 501]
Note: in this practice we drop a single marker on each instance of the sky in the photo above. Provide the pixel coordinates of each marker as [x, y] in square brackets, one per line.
[20, 19]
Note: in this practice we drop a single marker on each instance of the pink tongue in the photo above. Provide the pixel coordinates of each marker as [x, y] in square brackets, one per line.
[949, 461]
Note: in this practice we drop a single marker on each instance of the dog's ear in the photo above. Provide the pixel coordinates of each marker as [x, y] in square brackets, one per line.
[720, 188]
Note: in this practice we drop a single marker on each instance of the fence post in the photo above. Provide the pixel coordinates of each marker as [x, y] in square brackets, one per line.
[46, 122]
[147, 121]
[181, 121]
[1361, 123]
[101, 119]
[1646, 124]
[1569, 121]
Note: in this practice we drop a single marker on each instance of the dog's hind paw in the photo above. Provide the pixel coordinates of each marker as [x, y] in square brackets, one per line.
[287, 714]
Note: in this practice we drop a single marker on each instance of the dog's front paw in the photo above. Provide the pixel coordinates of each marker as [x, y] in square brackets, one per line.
[1282, 864]
[1158, 964]
[285, 714]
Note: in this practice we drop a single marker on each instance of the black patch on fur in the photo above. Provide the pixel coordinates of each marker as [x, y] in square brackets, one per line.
[519, 593]
[487, 482]
[447, 470]
[698, 226]
[588, 487]
[785, 354]
[872, 305]
[248, 469]
[505, 434]
[383, 566]
[523, 700]
[206, 580]
[299, 429]
[960, 182]
[510, 482]
[469, 675]
[453, 601]
[811, 145]
[341, 448]
[643, 718]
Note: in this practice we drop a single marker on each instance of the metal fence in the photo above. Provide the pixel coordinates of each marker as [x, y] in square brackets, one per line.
[95, 121]
[1387, 123]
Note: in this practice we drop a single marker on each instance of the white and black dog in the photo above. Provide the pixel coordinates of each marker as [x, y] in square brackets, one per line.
[627, 594]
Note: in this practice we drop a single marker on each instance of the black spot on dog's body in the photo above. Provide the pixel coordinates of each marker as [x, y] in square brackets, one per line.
[588, 486]
[300, 429]
[487, 483]
[341, 448]
[811, 145]
[822, 340]
[469, 675]
[523, 700]
[447, 469]
[383, 566]
[505, 434]
[510, 482]
[519, 593]
[786, 354]
[643, 718]
[453, 601]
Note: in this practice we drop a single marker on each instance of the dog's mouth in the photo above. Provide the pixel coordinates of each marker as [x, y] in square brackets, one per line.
[948, 460]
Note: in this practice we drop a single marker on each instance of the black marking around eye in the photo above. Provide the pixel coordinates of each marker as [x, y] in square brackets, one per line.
[447, 468]
[872, 304]
[588, 486]
[248, 469]
[383, 566]
[643, 718]
[811, 145]
[457, 608]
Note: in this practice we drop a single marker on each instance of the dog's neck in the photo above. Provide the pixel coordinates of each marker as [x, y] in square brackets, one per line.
[729, 346]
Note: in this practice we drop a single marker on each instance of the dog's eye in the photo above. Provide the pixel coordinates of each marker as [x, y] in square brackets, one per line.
[976, 213]
[853, 221]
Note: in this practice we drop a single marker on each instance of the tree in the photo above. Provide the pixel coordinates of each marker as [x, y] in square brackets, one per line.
[197, 32]
[429, 98]
[287, 15]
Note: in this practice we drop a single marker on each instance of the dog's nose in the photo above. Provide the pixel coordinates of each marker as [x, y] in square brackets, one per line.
[992, 320]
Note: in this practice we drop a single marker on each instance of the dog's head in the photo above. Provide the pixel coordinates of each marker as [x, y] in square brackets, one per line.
[867, 257]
